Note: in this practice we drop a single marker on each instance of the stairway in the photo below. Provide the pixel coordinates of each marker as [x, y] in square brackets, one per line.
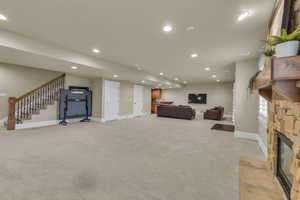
[23, 107]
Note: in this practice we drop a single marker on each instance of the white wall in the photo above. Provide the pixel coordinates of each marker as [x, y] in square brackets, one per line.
[218, 94]
[246, 104]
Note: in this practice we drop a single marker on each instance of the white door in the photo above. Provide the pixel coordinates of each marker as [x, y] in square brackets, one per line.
[111, 100]
[138, 97]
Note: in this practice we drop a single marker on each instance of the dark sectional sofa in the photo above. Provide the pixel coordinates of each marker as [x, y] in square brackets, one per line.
[179, 112]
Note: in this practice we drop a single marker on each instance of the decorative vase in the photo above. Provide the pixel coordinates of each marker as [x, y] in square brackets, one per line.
[286, 49]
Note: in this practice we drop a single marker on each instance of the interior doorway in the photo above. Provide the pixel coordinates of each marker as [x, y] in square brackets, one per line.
[138, 99]
[111, 100]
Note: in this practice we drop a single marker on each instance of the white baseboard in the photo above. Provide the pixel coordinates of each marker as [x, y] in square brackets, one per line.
[253, 136]
[2, 121]
[229, 116]
[44, 123]
[122, 117]
[55, 122]
[36, 124]
[96, 119]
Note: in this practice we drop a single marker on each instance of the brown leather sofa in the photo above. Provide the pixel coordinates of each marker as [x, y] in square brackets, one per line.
[179, 112]
[217, 113]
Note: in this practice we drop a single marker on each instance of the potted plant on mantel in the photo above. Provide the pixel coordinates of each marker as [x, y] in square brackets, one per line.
[285, 44]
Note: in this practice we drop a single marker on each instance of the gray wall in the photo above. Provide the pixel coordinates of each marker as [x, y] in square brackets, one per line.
[218, 94]
[245, 103]
[16, 80]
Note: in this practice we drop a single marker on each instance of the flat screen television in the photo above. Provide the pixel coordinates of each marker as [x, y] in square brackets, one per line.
[198, 98]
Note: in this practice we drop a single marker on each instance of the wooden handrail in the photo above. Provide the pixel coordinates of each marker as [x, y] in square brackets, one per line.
[42, 86]
[23, 107]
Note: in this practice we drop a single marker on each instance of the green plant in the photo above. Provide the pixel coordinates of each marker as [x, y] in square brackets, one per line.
[283, 37]
[269, 51]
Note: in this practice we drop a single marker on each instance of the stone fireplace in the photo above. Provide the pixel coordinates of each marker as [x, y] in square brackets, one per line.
[284, 144]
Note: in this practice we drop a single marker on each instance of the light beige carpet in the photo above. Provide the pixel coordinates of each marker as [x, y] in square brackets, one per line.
[145, 158]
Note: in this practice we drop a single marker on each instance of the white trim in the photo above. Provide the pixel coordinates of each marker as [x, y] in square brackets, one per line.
[2, 121]
[228, 115]
[122, 117]
[96, 119]
[36, 124]
[255, 137]
[44, 123]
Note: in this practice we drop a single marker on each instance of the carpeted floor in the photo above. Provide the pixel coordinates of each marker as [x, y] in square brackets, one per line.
[138, 159]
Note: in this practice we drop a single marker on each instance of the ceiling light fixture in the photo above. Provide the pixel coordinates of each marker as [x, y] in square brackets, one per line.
[96, 50]
[159, 85]
[207, 69]
[74, 67]
[190, 28]
[185, 82]
[214, 76]
[3, 17]
[176, 79]
[161, 73]
[194, 55]
[143, 81]
[218, 80]
[245, 14]
[247, 53]
[115, 76]
[167, 28]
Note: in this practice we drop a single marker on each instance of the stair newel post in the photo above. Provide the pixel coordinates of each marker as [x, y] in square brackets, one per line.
[11, 121]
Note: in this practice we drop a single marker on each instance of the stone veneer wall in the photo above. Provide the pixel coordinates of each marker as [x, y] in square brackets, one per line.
[284, 117]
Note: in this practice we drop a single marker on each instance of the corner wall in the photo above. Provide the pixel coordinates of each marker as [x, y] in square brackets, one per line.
[16, 80]
[245, 103]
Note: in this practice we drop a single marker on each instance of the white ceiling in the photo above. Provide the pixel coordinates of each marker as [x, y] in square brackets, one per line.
[129, 32]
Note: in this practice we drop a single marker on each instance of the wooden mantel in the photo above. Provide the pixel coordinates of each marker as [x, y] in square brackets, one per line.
[281, 76]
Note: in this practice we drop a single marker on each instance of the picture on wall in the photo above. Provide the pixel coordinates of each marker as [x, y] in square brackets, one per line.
[197, 98]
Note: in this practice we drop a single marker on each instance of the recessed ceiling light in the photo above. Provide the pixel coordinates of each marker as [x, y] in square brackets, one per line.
[96, 50]
[3, 17]
[167, 28]
[245, 14]
[176, 79]
[194, 55]
[214, 76]
[207, 68]
[161, 73]
[74, 67]
[218, 80]
[185, 82]
[177, 85]
[143, 81]
[190, 28]
[170, 87]
[115, 76]
[247, 53]
[159, 85]
[168, 83]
